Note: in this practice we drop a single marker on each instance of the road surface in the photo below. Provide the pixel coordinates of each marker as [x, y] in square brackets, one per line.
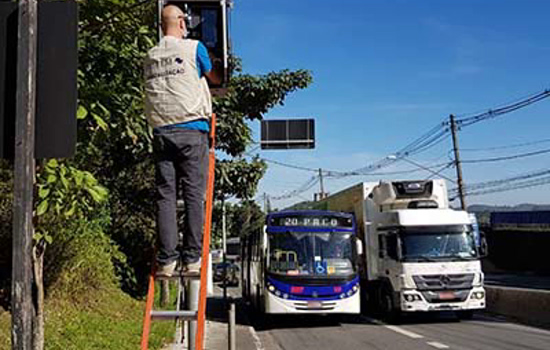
[440, 332]
[420, 332]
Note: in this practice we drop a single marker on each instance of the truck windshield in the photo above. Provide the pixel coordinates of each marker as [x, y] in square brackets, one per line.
[318, 254]
[427, 243]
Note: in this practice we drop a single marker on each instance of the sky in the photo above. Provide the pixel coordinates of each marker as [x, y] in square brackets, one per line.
[386, 72]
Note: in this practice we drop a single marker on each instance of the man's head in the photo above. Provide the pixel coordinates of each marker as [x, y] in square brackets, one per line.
[173, 22]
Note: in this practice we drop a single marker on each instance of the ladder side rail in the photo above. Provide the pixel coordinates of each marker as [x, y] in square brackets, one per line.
[148, 309]
[201, 315]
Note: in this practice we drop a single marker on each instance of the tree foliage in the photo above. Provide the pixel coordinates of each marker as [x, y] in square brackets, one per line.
[109, 185]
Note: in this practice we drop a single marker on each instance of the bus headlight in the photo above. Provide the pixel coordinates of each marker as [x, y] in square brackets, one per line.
[355, 288]
[271, 288]
[285, 296]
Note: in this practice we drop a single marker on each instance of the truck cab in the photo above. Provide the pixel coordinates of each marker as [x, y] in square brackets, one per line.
[420, 255]
[428, 261]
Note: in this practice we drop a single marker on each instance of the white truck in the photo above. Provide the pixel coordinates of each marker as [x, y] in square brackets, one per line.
[419, 255]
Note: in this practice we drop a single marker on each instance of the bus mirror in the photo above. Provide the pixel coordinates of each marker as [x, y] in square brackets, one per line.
[359, 246]
[264, 241]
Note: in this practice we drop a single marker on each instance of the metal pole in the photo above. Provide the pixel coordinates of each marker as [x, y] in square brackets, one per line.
[224, 249]
[232, 325]
[458, 166]
[193, 291]
[21, 301]
[322, 194]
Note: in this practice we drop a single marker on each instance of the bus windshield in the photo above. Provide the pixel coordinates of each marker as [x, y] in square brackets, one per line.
[326, 254]
[437, 243]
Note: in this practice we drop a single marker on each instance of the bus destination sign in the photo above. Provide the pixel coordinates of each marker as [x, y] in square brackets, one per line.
[312, 221]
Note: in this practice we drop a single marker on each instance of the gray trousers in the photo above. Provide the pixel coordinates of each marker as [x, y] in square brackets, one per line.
[181, 157]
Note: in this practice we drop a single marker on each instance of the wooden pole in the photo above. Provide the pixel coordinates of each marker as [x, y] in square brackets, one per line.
[460, 181]
[21, 302]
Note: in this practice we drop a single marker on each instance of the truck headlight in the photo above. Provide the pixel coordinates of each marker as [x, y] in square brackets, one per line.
[478, 295]
[412, 297]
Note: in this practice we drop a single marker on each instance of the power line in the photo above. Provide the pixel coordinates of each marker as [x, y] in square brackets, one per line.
[515, 156]
[500, 182]
[493, 113]
[522, 185]
[495, 148]
[306, 186]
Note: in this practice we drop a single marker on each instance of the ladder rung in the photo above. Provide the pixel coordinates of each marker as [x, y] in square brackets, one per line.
[170, 315]
[179, 274]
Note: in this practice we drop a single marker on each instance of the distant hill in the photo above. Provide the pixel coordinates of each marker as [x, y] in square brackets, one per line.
[481, 208]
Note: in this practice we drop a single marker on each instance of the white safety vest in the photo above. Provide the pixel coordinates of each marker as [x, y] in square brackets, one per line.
[174, 92]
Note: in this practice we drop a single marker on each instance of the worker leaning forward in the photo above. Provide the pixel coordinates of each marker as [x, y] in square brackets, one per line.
[178, 107]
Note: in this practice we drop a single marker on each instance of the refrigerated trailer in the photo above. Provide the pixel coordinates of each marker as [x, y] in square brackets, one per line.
[419, 255]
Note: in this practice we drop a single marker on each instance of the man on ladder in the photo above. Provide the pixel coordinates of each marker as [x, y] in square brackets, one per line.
[178, 107]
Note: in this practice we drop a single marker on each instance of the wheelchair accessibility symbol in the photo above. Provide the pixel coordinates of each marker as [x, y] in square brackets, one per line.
[320, 267]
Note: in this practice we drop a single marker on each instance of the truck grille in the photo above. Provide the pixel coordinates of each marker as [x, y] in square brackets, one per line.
[444, 282]
[436, 297]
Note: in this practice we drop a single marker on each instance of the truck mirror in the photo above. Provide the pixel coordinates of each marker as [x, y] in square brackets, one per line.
[483, 246]
[399, 247]
[381, 247]
[359, 246]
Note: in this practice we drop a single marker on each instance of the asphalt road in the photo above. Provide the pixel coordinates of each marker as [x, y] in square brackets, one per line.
[440, 332]
[435, 331]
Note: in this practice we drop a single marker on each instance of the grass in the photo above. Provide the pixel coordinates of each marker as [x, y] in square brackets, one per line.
[102, 320]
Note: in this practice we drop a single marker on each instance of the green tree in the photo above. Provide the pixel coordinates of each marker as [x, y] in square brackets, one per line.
[114, 138]
[115, 143]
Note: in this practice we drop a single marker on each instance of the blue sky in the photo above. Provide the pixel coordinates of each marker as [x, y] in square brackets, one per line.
[385, 72]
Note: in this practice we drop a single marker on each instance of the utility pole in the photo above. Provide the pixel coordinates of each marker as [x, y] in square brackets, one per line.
[322, 187]
[21, 301]
[265, 202]
[460, 181]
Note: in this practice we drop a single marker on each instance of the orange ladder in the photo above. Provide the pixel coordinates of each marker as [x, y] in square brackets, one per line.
[187, 315]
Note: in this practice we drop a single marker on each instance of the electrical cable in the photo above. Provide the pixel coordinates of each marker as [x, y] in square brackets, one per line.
[495, 148]
[493, 113]
[498, 159]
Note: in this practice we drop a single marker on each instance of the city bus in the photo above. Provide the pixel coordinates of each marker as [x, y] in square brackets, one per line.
[303, 262]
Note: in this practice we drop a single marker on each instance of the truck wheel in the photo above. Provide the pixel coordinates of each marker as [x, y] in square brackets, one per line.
[390, 313]
[465, 314]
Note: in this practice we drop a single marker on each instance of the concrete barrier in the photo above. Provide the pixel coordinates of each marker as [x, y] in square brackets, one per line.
[524, 305]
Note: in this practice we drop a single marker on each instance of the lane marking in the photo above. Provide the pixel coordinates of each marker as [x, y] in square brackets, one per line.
[395, 328]
[404, 332]
[438, 345]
